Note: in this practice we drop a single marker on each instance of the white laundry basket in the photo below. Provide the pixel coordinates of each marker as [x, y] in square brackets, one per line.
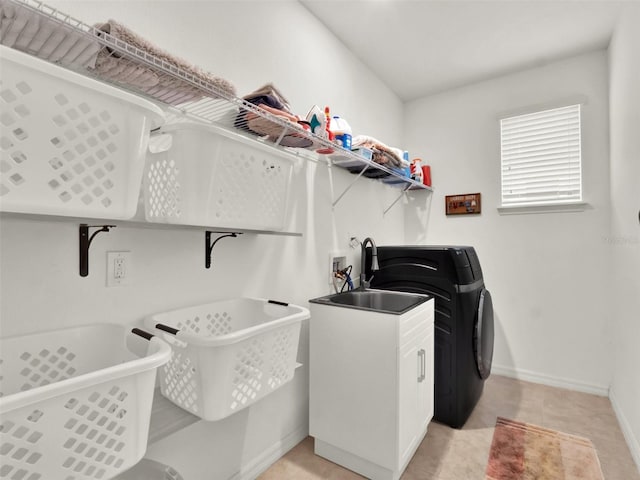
[228, 354]
[75, 403]
[70, 145]
[199, 174]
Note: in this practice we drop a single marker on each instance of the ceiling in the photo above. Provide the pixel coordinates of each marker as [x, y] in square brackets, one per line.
[421, 47]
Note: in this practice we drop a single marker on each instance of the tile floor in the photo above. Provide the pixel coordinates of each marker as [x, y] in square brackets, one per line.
[448, 454]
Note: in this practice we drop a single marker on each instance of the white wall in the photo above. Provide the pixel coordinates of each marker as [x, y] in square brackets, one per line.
[548, 273]
[625, 230]
[249, 43]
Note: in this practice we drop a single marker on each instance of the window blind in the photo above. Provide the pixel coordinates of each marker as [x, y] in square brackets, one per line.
[541, 157]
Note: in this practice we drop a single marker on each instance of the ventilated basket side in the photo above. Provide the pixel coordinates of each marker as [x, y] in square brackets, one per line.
[250, 187]
[75, 403]
[70, 145]
[243, 354]
[180, 377]
[93, 433]
[250, 370]
[207, 176]
[177, 176]
[215, 382]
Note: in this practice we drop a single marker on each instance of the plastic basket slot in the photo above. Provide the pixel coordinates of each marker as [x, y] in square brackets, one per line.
[180, 382]
[281, 370]
[219, 323]
[85, 137]
[249, 189]
[78, 130]
[164, 189]
[47, 366]
[7, 119]
[234, 172]
[248, 373]
[18, 135]
[191, 324]
[19, 447]
[95, 428]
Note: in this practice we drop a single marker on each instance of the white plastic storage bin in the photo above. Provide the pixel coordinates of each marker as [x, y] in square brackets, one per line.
[199, 174]
[228, 354]
[70, 145]
[75, 403]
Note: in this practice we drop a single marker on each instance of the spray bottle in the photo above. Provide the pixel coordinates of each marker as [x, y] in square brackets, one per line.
[416, 173]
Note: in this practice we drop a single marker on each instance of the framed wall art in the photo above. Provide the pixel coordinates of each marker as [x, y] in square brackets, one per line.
[463, 204]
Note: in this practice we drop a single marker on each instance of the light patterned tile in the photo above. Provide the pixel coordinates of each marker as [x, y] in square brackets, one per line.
[451, 454]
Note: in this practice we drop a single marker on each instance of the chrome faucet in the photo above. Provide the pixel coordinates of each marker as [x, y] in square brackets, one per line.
[374, 262]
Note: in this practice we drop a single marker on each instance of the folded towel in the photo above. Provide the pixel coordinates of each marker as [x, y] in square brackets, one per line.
[382, 154]
[39, 35]
[113, 66]
[269, 91]
[269, 98]
[126, 71]
[265, 101]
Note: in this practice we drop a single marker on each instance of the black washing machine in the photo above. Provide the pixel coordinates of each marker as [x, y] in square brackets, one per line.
[463, 318]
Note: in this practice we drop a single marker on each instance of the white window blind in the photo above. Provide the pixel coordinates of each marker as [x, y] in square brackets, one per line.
[541, 157]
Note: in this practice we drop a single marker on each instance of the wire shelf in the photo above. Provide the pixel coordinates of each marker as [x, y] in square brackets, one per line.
[196, 98]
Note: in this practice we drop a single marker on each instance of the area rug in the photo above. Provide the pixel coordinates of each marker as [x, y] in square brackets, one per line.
[522, 451]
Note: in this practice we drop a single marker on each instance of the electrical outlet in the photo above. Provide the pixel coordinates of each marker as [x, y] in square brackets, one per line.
[119, 268]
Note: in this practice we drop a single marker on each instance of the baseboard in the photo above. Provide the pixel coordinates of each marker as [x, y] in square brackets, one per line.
[552, 381]
[632, 441]
[263, 461]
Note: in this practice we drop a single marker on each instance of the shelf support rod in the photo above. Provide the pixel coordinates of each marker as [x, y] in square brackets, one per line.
[402, 194]
[335, 202]
[209, 246]
[85, 243]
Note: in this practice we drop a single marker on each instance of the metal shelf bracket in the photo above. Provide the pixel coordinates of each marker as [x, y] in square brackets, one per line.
[85, 243]
[335, 202]
[208, 246]
[402, 194]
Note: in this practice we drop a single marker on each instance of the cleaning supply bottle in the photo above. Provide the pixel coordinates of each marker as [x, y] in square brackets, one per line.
[416, 170]
[327, 125]
[322, 129]
[341, 132]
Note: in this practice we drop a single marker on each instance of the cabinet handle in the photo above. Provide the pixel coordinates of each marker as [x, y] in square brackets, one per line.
[422, 354]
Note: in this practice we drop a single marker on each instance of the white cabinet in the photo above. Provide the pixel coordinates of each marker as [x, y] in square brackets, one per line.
[415, 392]
[371, 386]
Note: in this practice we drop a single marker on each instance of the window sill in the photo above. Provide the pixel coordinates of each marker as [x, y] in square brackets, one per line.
[555, 208]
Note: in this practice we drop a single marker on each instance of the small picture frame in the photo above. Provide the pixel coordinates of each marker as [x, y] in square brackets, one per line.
[463, 204]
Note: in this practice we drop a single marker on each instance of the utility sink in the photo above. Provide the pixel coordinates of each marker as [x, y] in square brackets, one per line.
[383, 301]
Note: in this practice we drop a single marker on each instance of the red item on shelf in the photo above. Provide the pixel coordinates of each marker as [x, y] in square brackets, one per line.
[426, 175]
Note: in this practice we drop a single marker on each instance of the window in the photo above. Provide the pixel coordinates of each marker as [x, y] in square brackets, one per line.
[541, 158]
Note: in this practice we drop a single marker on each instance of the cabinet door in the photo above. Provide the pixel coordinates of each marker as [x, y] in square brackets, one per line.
[426, 386]
[410, 382]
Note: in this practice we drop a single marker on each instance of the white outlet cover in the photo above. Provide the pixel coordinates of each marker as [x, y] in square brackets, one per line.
[119, 269]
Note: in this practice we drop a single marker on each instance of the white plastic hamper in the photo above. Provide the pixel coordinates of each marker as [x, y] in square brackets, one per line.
[228, 354]
[70, 145]
[75, 403]
[199, 174]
